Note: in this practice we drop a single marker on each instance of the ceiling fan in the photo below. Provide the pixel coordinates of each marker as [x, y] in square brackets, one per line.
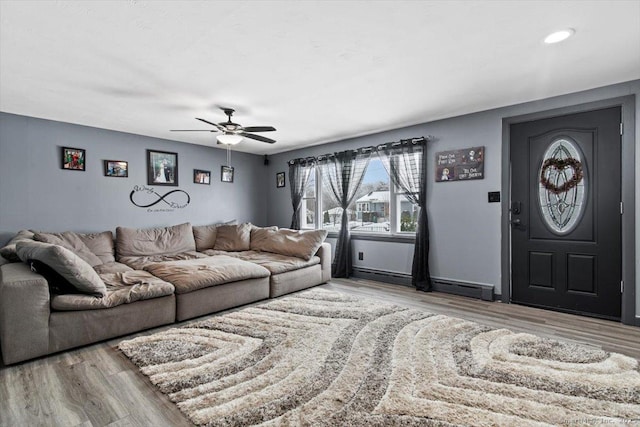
[232, 133]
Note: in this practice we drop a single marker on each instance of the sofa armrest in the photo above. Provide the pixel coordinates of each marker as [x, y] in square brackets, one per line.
[3, 261]
[325, 261]
[24, 313]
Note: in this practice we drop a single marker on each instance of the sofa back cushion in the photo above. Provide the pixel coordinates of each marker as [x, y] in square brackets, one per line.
[298, 243]
[259, 235]
[205, 235]
[71, 241]
[8, 251]
[154, 241]
[101, 244]
[64, 262]
[235, 237]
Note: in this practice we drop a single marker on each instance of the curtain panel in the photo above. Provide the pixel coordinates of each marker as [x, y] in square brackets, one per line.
[406, 163]
[342, 175]
[299, 172]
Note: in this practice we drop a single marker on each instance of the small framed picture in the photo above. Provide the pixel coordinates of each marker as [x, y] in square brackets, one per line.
[201, 177]
[73, 159]
[116, 168]
[162, 168]
[280, 180]
[226, 174]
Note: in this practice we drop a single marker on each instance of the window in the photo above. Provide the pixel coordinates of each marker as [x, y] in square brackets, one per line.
[372, 207]
[309, 203]
[378, 208]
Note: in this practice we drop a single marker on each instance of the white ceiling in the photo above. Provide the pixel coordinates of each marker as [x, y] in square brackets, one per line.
[317, 71]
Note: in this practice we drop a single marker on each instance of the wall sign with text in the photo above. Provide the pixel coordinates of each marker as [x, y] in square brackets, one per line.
[460, 165]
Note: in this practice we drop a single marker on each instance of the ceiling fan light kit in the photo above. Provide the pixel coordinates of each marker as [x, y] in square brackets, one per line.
[229, 139]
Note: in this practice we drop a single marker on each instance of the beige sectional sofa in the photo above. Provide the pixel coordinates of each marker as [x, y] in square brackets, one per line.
[64, 290]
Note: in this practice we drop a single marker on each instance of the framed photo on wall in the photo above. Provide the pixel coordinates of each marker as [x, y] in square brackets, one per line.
[162, 168]
[280, 180]
[201, 177]
[116, 168]
[73, 159]
[226, 174]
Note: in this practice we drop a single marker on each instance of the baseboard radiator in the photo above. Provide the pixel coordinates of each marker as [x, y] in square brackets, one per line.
[467, 289]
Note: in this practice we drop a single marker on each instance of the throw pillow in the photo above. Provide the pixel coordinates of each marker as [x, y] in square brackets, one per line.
[8, 251]
[101, 245]
[71, 241]
[67, 264]
[260, 236]
[233, 237]
[205, 235]
[298, 243]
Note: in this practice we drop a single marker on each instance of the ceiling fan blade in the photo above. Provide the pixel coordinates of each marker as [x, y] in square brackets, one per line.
[257, 137]
[259, 129]
[211, 123]
[192, 130]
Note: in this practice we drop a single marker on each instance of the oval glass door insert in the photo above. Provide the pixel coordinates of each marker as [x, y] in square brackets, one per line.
[562, 186]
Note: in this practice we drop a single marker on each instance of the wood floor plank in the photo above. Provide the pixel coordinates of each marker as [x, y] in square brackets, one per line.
[97, 385]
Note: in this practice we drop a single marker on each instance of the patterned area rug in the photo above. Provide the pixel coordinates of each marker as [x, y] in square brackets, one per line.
[320, 358]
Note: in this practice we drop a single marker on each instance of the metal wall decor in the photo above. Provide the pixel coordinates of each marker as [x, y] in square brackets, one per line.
[562, 190]
[460, 165]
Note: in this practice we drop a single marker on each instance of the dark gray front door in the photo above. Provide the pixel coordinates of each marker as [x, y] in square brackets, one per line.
[565, 213]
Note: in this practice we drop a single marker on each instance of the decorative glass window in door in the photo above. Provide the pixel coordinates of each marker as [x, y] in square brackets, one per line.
[562, 187]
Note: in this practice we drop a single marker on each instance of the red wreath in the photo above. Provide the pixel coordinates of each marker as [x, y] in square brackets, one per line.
[560, 164]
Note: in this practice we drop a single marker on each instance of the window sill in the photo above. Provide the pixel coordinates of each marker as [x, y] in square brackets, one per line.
[398, 238]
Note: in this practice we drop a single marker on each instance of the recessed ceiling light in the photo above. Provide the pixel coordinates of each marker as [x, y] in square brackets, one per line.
[559, 36]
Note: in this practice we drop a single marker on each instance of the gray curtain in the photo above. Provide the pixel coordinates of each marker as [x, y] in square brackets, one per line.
[406, 163]
[299, 171]
[342, 175]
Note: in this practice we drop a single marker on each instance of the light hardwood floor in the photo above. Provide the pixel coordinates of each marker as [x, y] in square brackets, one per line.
[97, 386]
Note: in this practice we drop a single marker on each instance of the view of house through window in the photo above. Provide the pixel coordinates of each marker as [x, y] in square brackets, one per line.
[372, 210]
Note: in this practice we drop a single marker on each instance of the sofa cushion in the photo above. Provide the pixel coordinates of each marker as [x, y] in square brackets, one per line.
[191, 275]
[69, 265]
[298, 243]
[139, 262]
[122, 288]
[276, 263]
[100, 244]
[205, 235]
[112, 267]
[154, 241]
[71, 241]
[233, 237]
[8, 251]
[57, 283]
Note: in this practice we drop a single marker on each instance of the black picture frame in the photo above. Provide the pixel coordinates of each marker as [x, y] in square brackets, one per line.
[116, 168]
[201, 177]
[74, 159]
[226, 174]
[280, 180]
[162, 168]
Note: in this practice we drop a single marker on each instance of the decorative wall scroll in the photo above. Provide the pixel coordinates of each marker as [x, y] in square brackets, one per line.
[146, 197]
[459, 165]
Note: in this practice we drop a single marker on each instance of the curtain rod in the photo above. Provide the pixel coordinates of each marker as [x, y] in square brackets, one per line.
[414, 140]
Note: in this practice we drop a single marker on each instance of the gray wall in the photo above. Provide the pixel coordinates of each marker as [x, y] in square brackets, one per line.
[36, 193]
[465, 228]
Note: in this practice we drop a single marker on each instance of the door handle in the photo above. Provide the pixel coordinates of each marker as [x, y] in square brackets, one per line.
[515, 222]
